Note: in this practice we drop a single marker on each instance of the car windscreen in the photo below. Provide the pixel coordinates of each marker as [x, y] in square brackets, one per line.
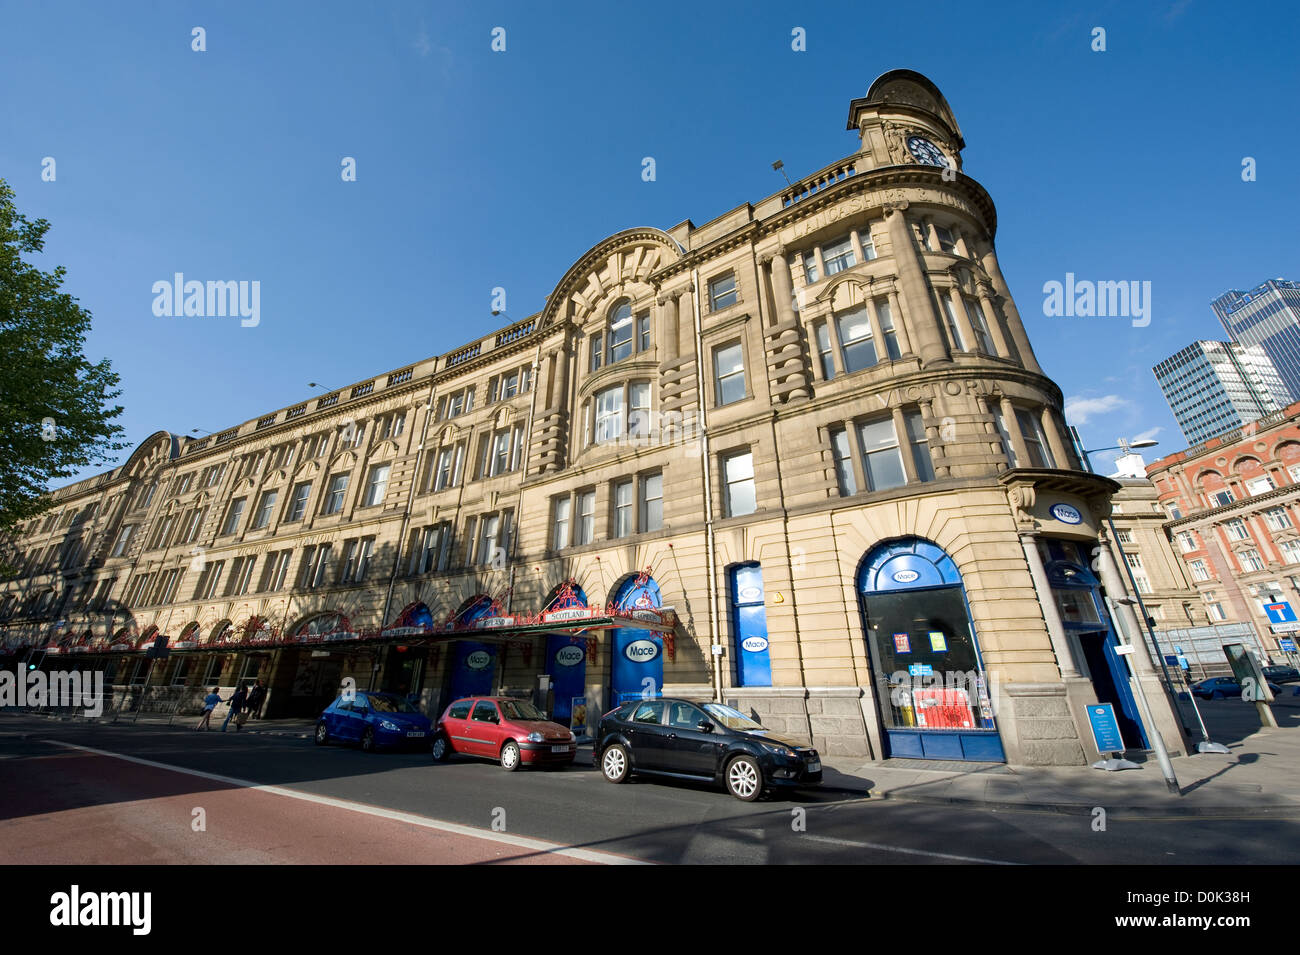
[391, 704]
[731, 719]
[520, 710]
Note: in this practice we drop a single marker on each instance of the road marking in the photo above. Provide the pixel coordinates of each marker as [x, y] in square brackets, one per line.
[519, 842]
[910, 852]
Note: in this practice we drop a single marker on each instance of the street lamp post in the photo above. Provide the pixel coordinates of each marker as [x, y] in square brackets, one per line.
[1153, 733]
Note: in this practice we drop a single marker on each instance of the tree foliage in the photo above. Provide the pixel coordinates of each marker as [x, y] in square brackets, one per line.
[54, 413]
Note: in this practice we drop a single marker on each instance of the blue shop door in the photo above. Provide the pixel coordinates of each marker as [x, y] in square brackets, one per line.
[749, 620]
[472, 670]
[566, 663]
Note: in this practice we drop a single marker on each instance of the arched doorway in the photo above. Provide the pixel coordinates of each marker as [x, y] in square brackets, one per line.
[403, 670]
[931, 687]
[566, 654]
[473, 664]
[636, 655]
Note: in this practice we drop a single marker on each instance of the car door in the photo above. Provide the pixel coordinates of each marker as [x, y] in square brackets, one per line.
[687, 748]
[647, 734]
[354, 717]
[484, 729]
[456, 725]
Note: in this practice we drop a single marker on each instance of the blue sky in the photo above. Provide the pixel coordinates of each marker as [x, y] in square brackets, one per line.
[478, 169]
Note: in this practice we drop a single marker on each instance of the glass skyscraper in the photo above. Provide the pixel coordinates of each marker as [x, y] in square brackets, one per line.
[1214, 387]
[1268, 316]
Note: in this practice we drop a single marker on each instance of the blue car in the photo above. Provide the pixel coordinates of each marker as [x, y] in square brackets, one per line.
[374, 720]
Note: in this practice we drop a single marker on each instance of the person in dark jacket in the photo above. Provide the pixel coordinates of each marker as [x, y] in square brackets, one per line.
[237, 702]
[256, 697]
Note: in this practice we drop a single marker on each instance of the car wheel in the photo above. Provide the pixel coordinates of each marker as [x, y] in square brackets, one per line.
[744, 778]
[322, 733]
[441, 748]
[510, 756]
[368, 740]
[1216, 695]
[615, 765]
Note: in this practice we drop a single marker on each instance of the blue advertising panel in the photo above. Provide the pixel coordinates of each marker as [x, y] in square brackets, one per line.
[1105, 728]
[749, 618]
[566, 662]
[637, 655]
[473, 664]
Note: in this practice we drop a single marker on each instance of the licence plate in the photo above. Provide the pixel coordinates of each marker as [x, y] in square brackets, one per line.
[559, 749]
[415, 733]
[815, 766]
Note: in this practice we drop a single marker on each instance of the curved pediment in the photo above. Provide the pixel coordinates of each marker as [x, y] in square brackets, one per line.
[622, 261]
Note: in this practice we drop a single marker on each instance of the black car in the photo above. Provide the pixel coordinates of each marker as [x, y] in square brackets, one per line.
[1282, 674]
[695, 740]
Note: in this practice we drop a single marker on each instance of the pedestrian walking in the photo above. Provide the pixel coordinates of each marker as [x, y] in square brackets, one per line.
[256, 697]
[209, 704]
[237, 701]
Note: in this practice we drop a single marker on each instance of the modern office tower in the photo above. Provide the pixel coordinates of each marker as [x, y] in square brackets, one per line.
[1269, 316]
[1214, 387]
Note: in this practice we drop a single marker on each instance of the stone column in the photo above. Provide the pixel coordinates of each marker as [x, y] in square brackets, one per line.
[781, 289]
[900, 326]
[1013, 433]
[994, 325]
[905, 446]
[1047, 421]
[962, 248]
[925, 330]
[963, 320]
[669, 325]
[932, 237]
[858, 255]
[1055, 626]
[990, 262]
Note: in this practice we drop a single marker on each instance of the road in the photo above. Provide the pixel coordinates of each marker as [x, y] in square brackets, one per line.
[87, 794]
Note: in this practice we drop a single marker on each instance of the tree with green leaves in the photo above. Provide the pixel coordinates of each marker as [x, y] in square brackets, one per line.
[54, 413]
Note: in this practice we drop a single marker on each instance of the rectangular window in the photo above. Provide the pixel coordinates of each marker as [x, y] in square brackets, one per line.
[609, 414]
[844, 476]
[586, 518]
[643, 332]
[1134, 561]
[377, 485]
[1250, 560]
[954, 331]
[1236, 529]
[1215, 612]
[1199, 570]
[838, 256]
[560, 521]
[211, 580]
[123, 538]
[1143, 585]
[976, 317]
[723, 292]
[1259, 485]
[234, 516]
[651, 503]
[167, 590]
[1125, 536]
[881, 458]
[241, 576]
[623, 508]
[738, 483]
[162, 532]
[638, 418]
[886, 318]
[856, 344]
[1035, 442]
[277, 569]
[1291, 551]
[334, 495]
[265, 507]
[597, 350]
[822, 333]
[946, 241]
[1294, 473]
[1186, 542]
[920, 445]
[298, 503]
[1277, 518]
[193, 524]
[810, 273]
[488, 553]
[1175, 512]
[316, 561]
[729, 373]
[1220, 498]
[620, 334]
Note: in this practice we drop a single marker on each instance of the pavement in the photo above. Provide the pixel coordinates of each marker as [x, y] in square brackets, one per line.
[1258, 778]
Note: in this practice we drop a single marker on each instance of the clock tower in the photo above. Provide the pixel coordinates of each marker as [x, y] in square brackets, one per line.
[905, 119]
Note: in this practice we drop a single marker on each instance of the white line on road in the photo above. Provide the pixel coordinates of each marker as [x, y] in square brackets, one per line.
[910, 852]
[519, 842]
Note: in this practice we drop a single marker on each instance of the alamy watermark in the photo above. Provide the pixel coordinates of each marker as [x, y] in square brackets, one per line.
[193, 299]
[71, 689]
[1085, 299]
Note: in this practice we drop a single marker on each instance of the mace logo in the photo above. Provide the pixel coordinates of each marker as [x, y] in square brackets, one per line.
[193, 299]
[77, 908]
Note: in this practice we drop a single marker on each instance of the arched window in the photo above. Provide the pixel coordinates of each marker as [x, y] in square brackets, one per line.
[624, 334]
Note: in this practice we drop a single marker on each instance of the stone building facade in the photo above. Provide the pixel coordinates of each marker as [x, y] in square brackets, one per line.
[800, 458]
[1232, 511]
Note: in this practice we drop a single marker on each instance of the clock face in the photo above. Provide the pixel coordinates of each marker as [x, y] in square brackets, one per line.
[925, 152]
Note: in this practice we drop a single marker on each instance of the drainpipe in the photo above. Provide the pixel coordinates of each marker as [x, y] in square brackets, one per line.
[715, 679]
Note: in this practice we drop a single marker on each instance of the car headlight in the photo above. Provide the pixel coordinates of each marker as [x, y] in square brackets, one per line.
[386, 725]
[778, 749]
[535, 737]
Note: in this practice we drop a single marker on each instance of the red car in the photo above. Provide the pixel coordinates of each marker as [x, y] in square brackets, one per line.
[505, 729]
